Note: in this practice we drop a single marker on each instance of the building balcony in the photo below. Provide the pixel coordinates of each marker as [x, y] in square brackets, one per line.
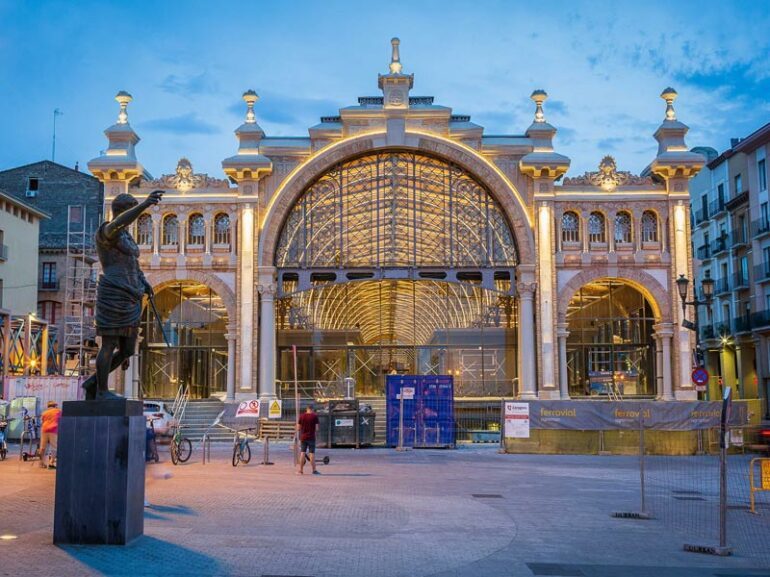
[740, 281]
[722, 286]
[742, 324]
[49, 285]
[760, 320]
[720, 245]
[703, 252]
[717, 208]
[760, 227]
[707, 332]
[737, 239]
[762, 272]
[701, 216]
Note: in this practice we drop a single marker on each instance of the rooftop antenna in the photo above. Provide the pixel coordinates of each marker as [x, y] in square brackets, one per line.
[56, 112]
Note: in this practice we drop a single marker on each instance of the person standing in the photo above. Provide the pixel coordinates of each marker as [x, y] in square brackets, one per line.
[49, 434]
[307, 426]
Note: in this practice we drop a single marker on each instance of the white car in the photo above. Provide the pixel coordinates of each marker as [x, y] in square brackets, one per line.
[163, 419]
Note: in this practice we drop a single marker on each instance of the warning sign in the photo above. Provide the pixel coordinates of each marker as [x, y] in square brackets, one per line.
[516, 420]
[274, 409]
[248, 409]
[765, 474]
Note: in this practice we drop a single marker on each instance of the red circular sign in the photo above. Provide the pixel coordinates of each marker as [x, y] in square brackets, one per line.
[700, 376]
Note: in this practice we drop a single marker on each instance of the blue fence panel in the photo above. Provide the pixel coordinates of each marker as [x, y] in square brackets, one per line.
[429, 417]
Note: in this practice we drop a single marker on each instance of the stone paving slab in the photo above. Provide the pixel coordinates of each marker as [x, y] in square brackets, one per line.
[469, 512]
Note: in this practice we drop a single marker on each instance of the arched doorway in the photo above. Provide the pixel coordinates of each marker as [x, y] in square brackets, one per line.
[194, 319]
[398, 261]
[611, 341]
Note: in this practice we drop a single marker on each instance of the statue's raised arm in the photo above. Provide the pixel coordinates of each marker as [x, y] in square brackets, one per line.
[120, 291]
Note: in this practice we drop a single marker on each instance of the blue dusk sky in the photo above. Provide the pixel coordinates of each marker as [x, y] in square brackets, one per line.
[604, 65]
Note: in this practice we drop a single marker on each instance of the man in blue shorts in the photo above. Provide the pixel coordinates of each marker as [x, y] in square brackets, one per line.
[307, 427]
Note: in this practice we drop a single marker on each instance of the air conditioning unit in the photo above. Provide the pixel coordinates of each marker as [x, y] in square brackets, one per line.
[31, 193]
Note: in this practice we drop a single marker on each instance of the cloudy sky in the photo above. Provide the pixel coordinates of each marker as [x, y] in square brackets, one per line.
[186, 63]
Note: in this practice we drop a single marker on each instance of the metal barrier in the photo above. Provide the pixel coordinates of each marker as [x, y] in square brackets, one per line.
[764, 478]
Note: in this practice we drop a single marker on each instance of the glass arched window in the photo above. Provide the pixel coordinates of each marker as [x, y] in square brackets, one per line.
[596, 229]
[196, 233]
[144, 230]
[222, 229]
[623, 228]
[171, 230]
[649, 227]
[570, 227]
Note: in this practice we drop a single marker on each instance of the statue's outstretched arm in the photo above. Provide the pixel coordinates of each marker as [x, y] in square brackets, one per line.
[125, 218]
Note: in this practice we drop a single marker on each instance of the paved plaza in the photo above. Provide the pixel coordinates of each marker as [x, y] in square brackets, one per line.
[467, 512]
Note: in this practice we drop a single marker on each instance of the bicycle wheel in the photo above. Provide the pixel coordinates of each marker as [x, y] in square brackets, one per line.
[184, 449]
[3, 453]
[245, 453]
[236, 455]
[174, 449]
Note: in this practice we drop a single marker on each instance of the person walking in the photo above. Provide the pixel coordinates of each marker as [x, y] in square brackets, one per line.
[49, 434]
[307, 426]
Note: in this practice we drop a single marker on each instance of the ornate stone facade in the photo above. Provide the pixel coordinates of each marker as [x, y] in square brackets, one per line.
[586, 240]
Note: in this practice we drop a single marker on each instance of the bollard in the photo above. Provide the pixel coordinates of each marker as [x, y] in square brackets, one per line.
[266, 452]
[400, 446]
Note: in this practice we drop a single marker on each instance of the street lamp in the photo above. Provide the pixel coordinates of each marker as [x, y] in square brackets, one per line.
[707, 287]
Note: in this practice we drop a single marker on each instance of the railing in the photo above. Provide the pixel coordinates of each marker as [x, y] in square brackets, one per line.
[740, 281]
[717, 207]
[719, 245]
[703, 252]
[722, 286]
[49, 285]
[708, 332]
[701, 216]
[762, 272]
[737, 238]
[760, 319]
[760, 227]
[742, 324]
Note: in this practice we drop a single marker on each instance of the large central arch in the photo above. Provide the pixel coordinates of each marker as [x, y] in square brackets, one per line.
[501, 188]
[409, 221]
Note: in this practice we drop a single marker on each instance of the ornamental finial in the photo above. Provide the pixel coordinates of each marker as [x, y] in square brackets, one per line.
[669, 95]
[539, 96]
[395, 59]
[250, 98]
[123, 99]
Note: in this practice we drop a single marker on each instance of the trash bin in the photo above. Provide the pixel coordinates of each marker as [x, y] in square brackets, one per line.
[347, 423]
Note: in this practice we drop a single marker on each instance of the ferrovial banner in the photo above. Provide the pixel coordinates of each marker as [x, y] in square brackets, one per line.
[608, 415]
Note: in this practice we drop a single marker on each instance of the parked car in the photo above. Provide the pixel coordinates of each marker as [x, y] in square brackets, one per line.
[161, 413]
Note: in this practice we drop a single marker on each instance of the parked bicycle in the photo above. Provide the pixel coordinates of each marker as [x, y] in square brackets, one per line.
[241, 449]
[181, 447]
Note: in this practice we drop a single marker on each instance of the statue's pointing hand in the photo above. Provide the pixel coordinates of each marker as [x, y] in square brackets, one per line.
[155, 196]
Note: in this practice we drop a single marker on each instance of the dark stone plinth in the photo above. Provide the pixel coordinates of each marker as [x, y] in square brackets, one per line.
[100, 473]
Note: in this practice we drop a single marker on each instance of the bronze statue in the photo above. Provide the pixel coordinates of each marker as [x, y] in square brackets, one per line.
[120, 291]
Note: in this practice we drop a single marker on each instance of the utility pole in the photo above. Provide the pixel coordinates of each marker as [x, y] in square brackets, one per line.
[56, 112]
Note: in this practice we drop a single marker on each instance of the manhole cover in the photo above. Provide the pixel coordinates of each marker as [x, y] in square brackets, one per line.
[487, 496]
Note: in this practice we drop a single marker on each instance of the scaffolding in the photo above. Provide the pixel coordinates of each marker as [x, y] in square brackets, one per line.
[79, 342]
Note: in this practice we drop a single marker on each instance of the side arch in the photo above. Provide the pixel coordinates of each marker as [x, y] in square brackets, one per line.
[160, 280]
[502, 189]
[645, 283]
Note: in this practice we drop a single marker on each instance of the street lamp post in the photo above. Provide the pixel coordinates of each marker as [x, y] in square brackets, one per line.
[707, 287]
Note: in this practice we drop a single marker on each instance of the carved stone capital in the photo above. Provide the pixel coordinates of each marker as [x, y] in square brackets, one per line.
[526, 289]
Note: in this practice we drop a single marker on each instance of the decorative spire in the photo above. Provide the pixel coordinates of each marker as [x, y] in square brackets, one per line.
[669, 95]
[395, 59]
[123, 99]
[538, 97]
[250, 98]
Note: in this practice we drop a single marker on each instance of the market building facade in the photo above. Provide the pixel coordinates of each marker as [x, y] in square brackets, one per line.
[398, 237]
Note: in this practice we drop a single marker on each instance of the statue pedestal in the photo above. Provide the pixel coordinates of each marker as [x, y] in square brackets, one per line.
[100, 473]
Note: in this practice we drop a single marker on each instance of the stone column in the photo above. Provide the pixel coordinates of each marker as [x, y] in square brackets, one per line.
[267, 350]
[208, 233]
[658, 368]
[182, 240]
[156, 239]
[684, 388]
[527, 348]
[562, 333]
[231, 343]
[246, 290]
[546, 272]
[665, 332]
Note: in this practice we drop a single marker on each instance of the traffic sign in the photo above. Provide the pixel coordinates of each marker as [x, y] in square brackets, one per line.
[274, 409]
[700, 377]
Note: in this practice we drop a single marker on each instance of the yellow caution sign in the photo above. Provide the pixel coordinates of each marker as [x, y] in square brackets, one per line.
[764, 479]
[274, 410]
[766, 474]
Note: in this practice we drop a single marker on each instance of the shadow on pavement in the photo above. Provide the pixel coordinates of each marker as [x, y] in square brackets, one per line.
[144, 557]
